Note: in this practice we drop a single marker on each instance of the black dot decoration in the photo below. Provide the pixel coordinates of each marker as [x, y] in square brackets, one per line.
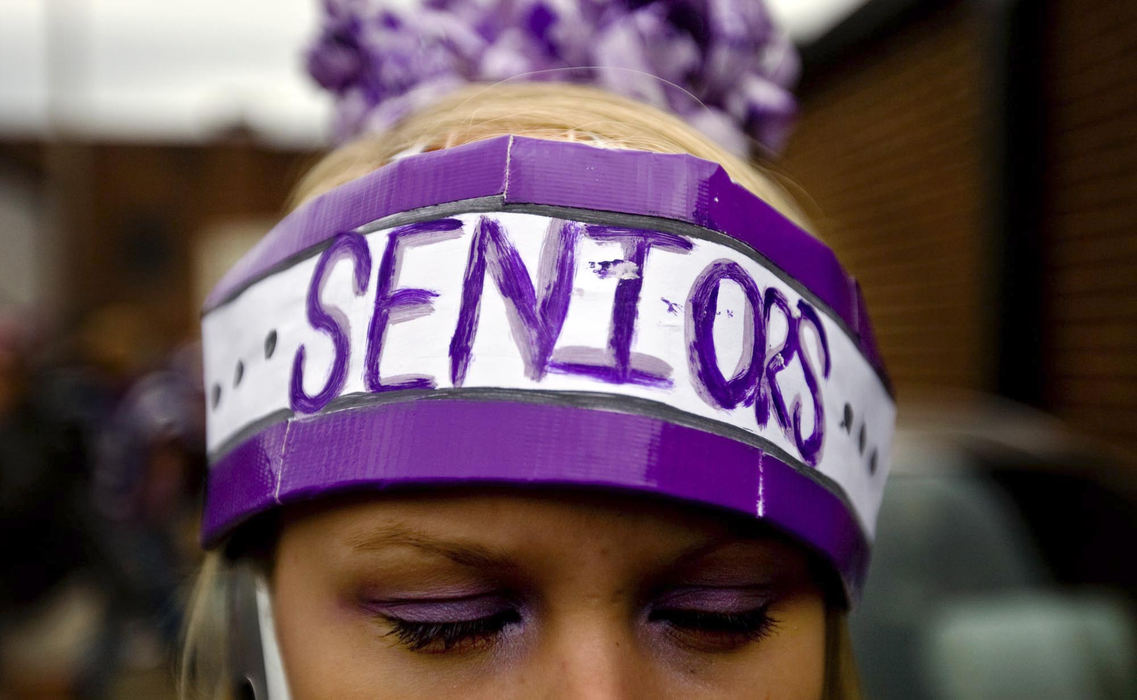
[847, 420]
[861, 440]
[270, 344]
[872, 461]
[215, 396]
[238, 373]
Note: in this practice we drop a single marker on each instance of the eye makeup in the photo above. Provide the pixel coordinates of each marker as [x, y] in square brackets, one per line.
[712, 603]
[458, 636]
[713, 619]
[726, 599]
[435, 625]
[696, 618]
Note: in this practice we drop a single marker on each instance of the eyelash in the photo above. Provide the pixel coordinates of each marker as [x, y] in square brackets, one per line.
[698, 629]
[712, 631]
[441, 637]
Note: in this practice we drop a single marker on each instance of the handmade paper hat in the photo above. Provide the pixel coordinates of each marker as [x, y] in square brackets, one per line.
[539, 313]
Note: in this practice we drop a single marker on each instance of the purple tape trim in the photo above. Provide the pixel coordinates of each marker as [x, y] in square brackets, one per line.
[445, 441]
[450, 175]
[679, 187]
[536, 171]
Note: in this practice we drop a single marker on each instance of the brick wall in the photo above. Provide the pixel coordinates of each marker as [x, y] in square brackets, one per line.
[134, 211]
[888, 147]
[893, 148]
[1091, 216]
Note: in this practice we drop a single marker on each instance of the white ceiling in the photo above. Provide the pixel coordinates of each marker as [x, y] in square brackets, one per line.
[182, 69]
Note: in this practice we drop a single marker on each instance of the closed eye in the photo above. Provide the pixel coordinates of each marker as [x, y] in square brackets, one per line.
[434, 637]
[704, 630]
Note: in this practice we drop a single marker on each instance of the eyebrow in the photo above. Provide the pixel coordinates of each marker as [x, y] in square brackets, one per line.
[693, 554]
[478, 556]
[460, 552]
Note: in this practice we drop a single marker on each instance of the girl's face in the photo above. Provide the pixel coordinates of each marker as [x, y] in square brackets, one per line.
[526, 595]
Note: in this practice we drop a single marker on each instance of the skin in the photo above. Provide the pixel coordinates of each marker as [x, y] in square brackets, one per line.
[585, 590]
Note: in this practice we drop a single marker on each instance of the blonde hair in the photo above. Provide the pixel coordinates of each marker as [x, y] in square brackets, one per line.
[539, 110]
[203, 665]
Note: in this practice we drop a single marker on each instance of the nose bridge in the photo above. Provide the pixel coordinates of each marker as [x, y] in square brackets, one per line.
[591, 652]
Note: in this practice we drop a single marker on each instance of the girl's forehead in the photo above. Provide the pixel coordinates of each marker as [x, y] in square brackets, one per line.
[504, 527]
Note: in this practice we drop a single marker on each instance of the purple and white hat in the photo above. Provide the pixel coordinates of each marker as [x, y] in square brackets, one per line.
[540, 313]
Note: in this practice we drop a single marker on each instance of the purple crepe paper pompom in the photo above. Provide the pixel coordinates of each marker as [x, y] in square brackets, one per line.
[720, 64]
[335, 63]
[640, 44]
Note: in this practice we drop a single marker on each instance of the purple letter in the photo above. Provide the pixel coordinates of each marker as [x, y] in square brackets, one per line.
[331, 321]
[771, 393]
[535, 323]
[776, 360]
[619, 366]
[703, 308]
[401, 304]
[810, 448]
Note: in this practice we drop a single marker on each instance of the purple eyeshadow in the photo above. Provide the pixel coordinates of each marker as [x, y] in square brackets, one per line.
[440, 610]
[714, 600]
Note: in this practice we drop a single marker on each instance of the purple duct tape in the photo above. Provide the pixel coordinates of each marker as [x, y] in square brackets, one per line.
[540, 172]
[436, 177]
[678, 187]
[460, 443]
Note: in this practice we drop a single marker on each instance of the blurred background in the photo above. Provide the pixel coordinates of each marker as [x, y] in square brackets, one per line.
[973, 163]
